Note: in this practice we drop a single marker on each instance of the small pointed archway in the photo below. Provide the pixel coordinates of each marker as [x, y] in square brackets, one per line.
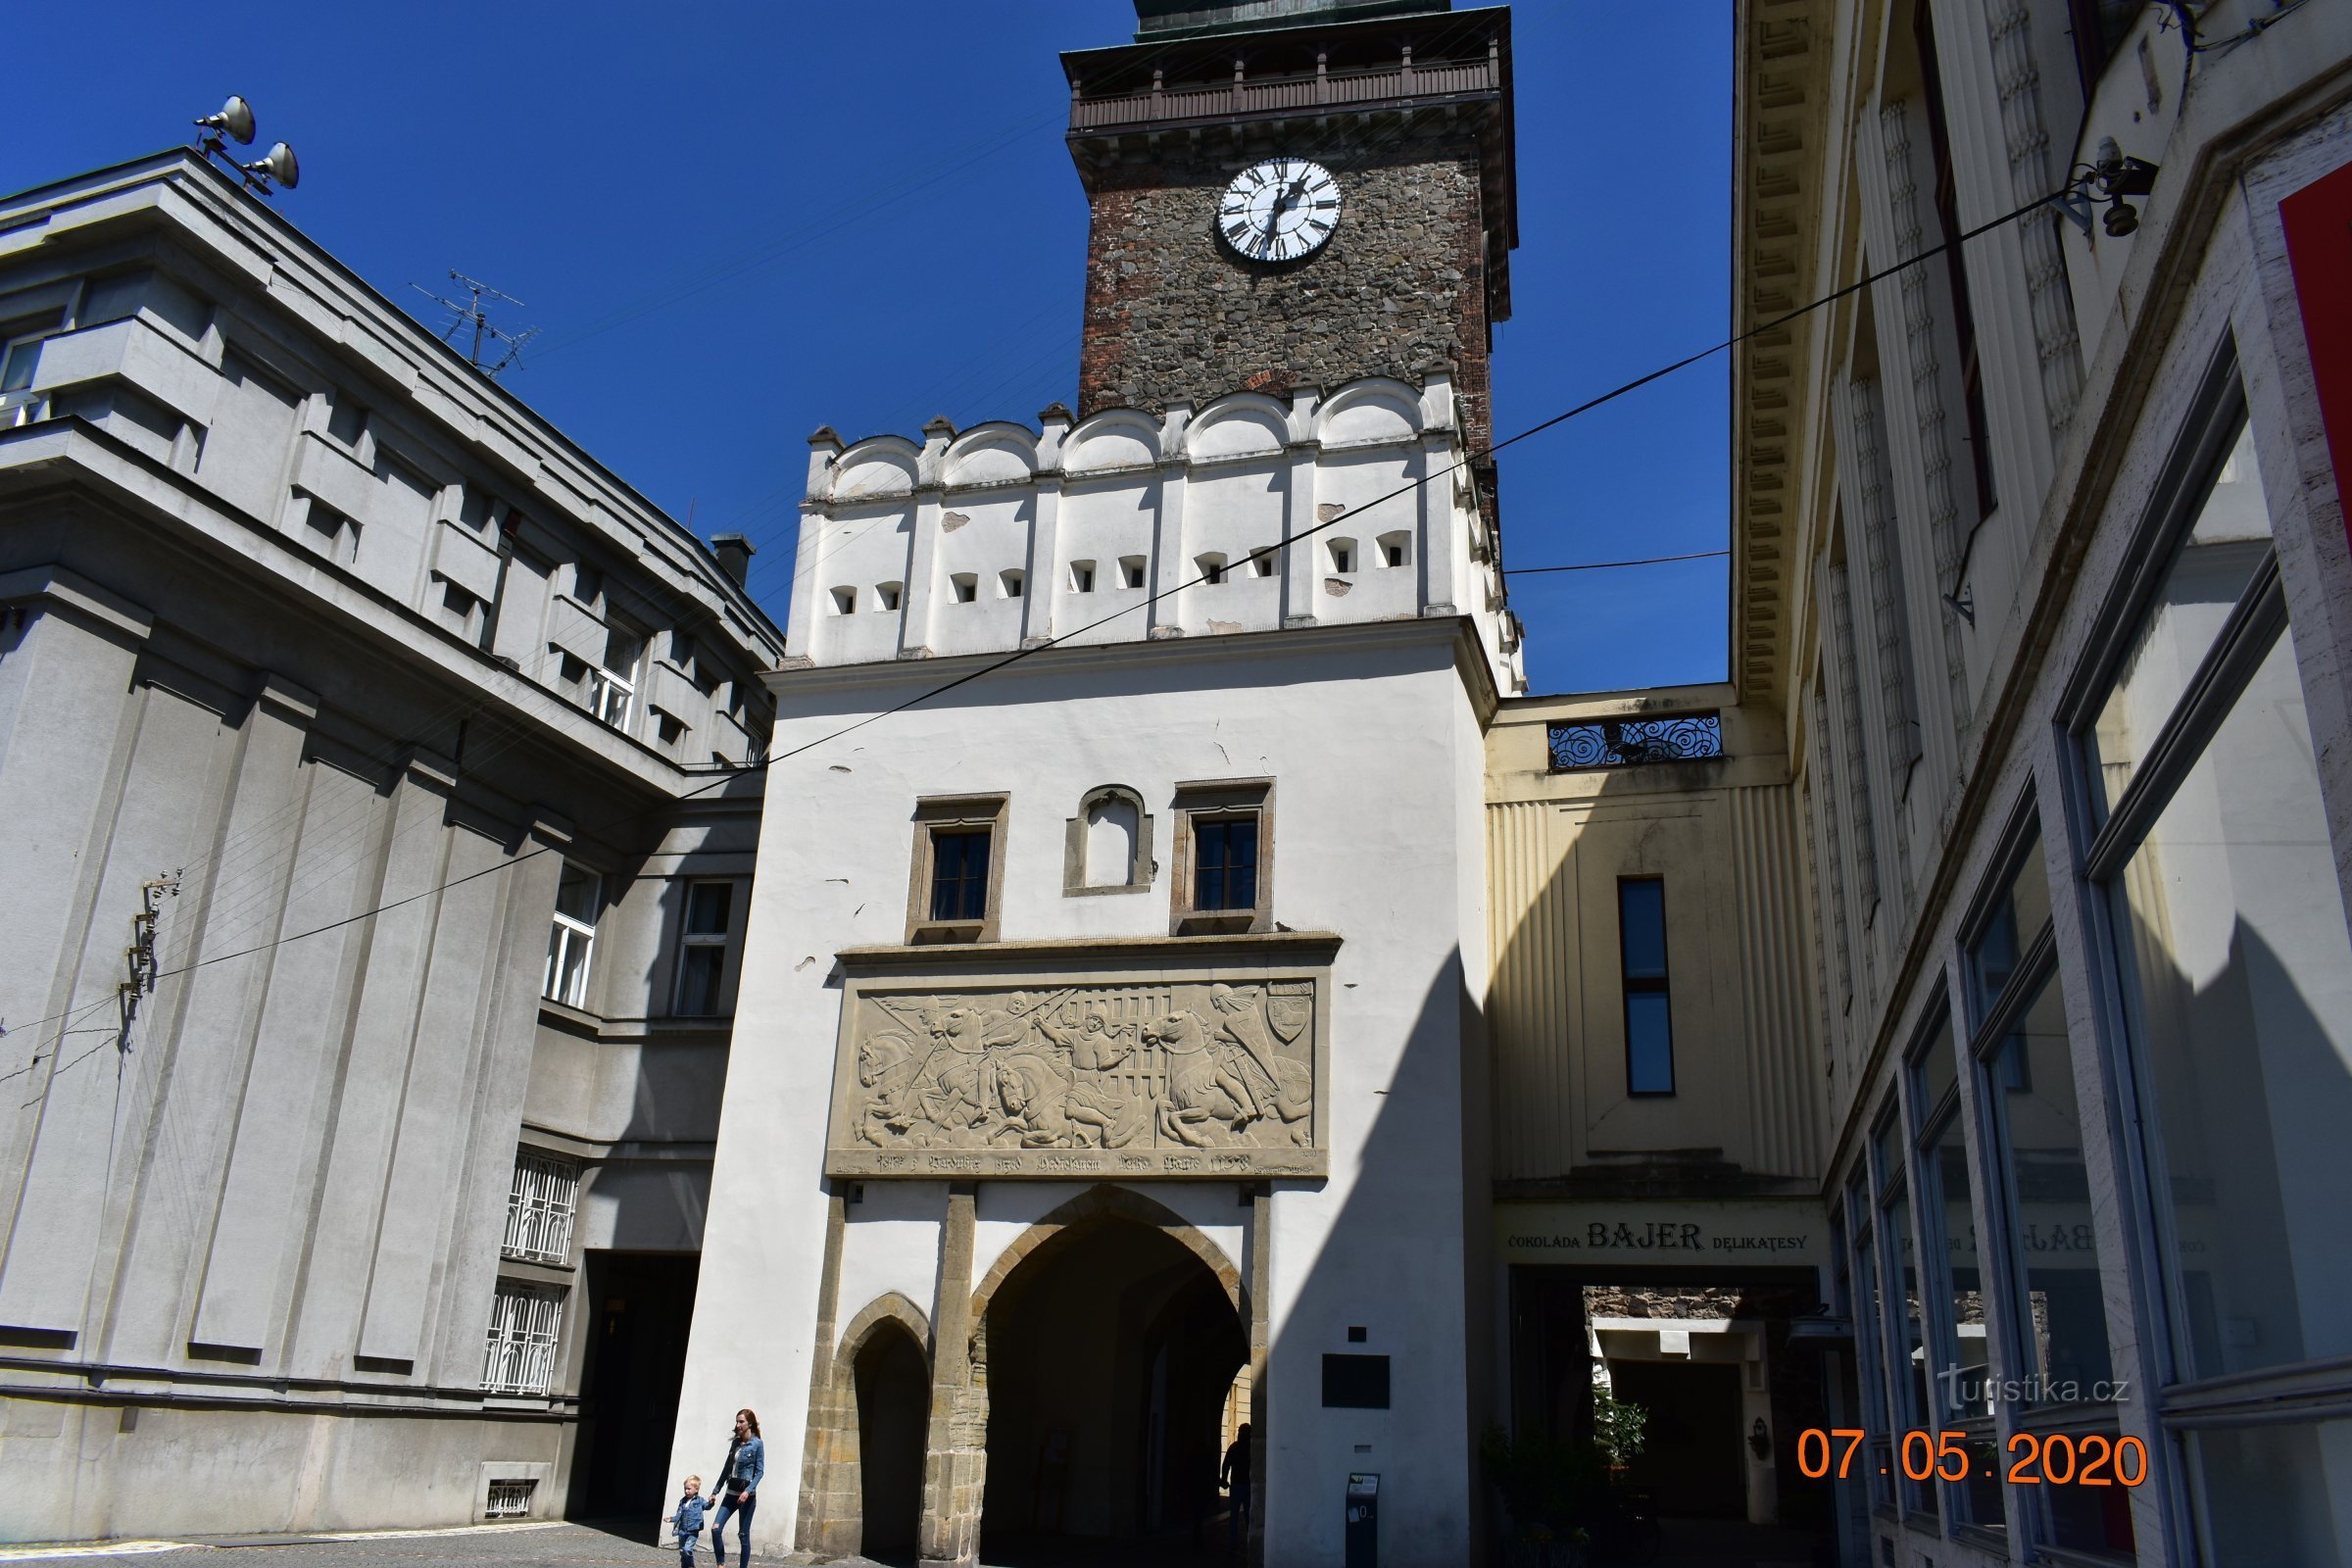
[867, 1472]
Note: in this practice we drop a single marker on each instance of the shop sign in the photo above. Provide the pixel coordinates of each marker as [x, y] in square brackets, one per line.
[1706, 1233]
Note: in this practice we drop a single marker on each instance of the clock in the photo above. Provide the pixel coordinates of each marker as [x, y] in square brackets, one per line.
[1279, 210]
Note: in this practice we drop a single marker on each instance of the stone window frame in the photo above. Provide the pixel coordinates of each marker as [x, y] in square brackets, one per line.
[934, 814]
[1141, 869]
[1211, 799]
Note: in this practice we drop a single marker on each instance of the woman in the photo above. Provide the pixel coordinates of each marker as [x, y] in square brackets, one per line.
[739, 1487]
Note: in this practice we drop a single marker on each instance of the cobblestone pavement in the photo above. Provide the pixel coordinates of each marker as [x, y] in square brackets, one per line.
[606, 1544]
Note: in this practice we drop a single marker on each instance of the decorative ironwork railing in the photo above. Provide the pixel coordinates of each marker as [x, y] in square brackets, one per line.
[1629, 742]
[1436, 79]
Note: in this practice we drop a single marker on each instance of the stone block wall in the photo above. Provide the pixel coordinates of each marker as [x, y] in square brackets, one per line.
[1173, 315]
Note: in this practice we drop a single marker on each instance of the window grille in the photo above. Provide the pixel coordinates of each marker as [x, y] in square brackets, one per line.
[1628, 741]
[540, 1206]
[509, 1499]
[526, 1321]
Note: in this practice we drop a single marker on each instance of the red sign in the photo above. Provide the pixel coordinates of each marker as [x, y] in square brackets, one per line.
[2318, 246]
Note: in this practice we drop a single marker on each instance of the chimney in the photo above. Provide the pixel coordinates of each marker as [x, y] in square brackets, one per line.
[734, 553]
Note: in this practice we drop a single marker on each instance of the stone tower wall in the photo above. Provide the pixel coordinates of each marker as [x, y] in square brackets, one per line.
[1174, 316]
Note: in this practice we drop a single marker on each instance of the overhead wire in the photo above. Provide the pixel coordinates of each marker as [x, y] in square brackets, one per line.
[1005, 661]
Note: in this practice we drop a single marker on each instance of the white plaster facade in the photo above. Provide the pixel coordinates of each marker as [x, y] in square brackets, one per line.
[1365, 707]
[305, 617]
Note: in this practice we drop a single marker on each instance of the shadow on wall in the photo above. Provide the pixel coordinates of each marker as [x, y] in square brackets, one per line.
[1406, 1258]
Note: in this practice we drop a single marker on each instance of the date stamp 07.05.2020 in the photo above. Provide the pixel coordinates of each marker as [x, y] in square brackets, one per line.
[2092, 1460]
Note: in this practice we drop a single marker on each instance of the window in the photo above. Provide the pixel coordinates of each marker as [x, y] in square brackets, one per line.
[1225, 862]
[1010, 581]
[1108, 849]
[1343, 555]
[1905, 1331]
[702, 948]
[1213, 568]
[2034, 1128]
[613, 688]
[845, 601]
[1959, 1364]
[571, 941]
[1261, 561]
[347, 422]
[2224, 915]
[527, 1324]
[885, 595]
[19, 403]
[1082, 576]
[1223, 856]
[958, 869]
[1871, 1367]
[1131, 570]
[1648, 1012]
[541, 1202]
[1396, 549]
[967, 587]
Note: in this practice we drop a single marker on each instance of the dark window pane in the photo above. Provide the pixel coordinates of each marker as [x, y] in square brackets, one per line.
[2016, 919]
[576, 892]
[960, 876]
[1225, 863]
[1648, 1044]
[1641, 913]
[708, 907]
[700, 969]
[2040, 1139]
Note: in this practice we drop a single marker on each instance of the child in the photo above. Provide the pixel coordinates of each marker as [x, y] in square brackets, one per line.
[689, 1520]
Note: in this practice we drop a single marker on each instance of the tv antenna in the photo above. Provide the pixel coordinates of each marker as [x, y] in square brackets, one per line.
[234, 122]
[472, 314]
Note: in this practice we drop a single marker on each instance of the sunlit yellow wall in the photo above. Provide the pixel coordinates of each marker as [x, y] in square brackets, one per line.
[1724, 835]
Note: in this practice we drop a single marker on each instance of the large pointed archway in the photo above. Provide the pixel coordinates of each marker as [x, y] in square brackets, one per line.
[1106, 1345]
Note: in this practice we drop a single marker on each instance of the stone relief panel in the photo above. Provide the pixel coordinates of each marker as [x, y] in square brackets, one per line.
[1156, 1077]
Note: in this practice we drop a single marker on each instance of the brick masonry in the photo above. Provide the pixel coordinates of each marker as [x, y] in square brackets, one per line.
[1174, 316]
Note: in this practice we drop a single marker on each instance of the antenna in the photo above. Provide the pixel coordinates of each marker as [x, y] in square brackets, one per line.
[470, 313]
[234, 122]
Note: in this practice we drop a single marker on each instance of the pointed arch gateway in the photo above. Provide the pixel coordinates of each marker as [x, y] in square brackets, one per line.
[1087, 1393]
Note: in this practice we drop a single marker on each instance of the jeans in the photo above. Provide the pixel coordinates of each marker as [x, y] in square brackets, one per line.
[1237, 1519]
[741, 1508]
[686, 1547]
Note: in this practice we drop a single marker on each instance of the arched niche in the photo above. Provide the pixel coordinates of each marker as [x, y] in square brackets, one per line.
[883, 465]
[1243, 425]
[1374, 412]
[1107, 848]
[1116, 438]
[996, 453]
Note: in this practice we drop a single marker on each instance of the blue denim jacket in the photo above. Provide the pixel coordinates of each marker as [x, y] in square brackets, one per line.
[689, 1517]
[750, 1463]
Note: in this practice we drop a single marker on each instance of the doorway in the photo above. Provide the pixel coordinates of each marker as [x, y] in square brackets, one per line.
[1111, 1352]
[893, 1398]
[639, 1306]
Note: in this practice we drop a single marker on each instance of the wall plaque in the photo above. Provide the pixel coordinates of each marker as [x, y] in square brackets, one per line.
[1217, 1075]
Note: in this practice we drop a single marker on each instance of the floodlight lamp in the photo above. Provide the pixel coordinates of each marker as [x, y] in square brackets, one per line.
[234, 120]
[279, 166]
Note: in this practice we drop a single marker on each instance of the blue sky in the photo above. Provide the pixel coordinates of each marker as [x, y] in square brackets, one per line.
[736, 223]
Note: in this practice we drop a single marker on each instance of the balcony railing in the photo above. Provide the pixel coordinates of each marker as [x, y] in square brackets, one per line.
[1580, 744]
[1337, 89]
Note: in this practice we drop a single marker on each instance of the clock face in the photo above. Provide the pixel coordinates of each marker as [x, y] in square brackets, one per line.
[1279, 209]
